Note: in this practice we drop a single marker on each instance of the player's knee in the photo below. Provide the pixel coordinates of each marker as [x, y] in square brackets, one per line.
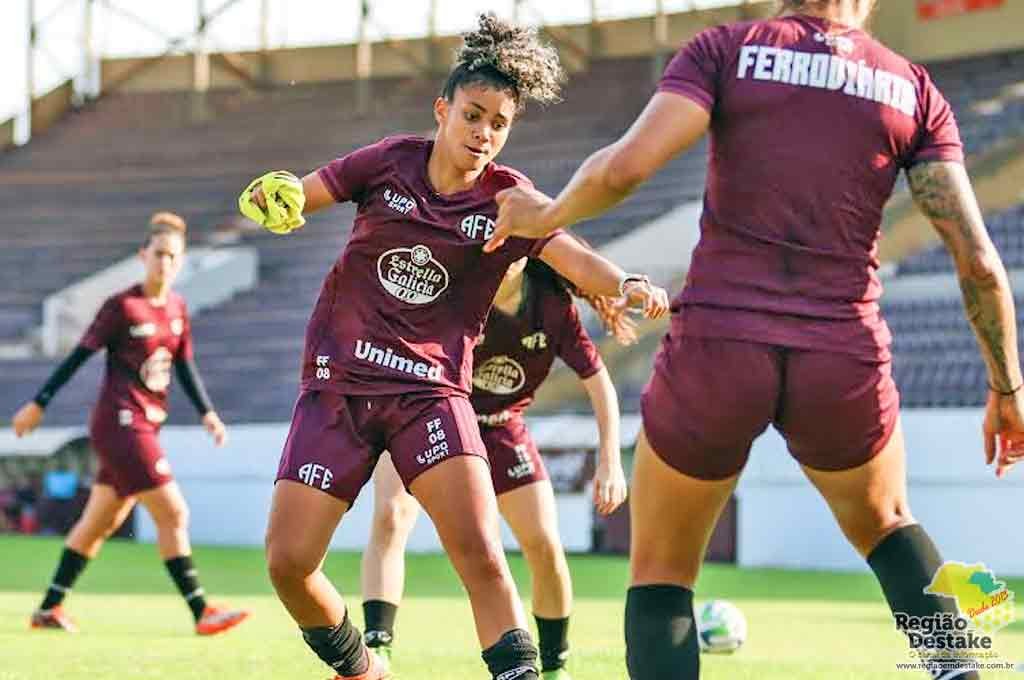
[288, 562]
[542, 549]
[870, 526]
[482, 560]
[174, 517]
[393, 521]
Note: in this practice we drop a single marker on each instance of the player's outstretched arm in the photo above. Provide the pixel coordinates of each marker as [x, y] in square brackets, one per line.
[609, 479]
[943, 192]
[669, 125]
[596, 275]
[30, 416]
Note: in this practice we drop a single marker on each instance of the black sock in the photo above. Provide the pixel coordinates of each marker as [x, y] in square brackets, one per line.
[340, 647]
[905, 563]
[661, 634]
[553, 638]
[379, 617]
[69, 568]
[513, 657]
[186, 578]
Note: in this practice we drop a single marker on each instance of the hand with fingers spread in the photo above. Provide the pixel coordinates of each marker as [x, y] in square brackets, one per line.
[523, 212]
[609, 485]
[615, 317]
[1004, 430]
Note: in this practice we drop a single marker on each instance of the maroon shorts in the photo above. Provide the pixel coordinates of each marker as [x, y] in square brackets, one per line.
[515, 460]
[130, 460]
[709, 398]
[336, 439]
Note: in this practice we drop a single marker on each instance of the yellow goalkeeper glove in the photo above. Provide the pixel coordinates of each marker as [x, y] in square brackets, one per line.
[284, 198]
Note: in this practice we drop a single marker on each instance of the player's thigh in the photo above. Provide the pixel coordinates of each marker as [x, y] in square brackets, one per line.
[672, 516]
[300, 527]
[706, 402]
[104, 511]
[166, 505]
[394, 508]
[531, 513]
[868, 501]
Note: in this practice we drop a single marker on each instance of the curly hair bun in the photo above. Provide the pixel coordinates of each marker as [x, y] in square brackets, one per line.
[530, 66]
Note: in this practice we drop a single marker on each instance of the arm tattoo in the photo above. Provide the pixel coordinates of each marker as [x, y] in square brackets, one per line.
[943, 193]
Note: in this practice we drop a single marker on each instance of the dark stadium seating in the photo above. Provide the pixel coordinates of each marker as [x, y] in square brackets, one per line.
[1007, 230]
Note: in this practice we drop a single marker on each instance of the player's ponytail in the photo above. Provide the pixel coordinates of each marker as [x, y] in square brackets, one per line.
[165, 223]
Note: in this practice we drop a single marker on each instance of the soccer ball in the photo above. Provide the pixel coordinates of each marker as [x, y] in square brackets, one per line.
[721, 627]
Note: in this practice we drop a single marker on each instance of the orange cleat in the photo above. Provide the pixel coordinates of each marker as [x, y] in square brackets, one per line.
[215, 620]
[377, 670]
[55, 619]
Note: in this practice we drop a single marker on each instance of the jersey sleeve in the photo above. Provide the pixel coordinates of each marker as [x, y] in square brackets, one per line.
[695, 70]
[348, 177]
[103, 330]
[939, 136]
[576, 348]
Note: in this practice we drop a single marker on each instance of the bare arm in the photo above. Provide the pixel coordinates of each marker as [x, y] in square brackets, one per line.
[942, 190]
[609, 479]
[668, 126]
[596, 275]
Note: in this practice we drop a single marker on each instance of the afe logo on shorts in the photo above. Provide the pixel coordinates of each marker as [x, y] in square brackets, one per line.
[316, 475]
[162, 467]
[177, 326]
[155, 372]
[412, 274]
[499, 375]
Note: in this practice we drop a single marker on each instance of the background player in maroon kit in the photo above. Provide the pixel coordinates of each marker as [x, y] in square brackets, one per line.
[145, 330]
[533, 321]
[811, 121]
[389, 346]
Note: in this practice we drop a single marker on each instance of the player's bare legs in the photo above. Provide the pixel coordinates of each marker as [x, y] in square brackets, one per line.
[394, 515]
[104, 512]
[383, 565]
[672, 516]
[302, 521]
[166, 505]
[869, 502]
[169, 511]
[531, 514]
[459, 497]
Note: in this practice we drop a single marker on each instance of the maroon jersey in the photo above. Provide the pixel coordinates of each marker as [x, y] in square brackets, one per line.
[401, 309]
[811, 122]
[516, 353]
[142, 341]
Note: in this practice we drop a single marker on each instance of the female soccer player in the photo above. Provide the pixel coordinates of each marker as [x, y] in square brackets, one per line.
[389, 346]
[145, 329]
[533, 321]
[811, 120]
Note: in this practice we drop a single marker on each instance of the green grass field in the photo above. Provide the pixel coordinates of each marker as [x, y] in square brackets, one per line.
[803, 625]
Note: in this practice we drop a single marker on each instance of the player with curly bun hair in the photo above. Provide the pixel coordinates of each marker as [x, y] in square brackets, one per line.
[145, 331]
[389, 347]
